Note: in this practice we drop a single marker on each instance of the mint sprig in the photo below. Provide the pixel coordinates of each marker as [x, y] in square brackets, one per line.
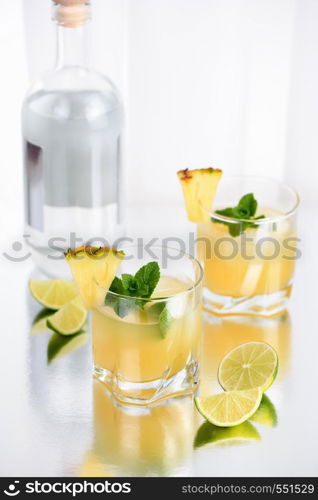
[121, 306]
[246, 210]
[139, 286]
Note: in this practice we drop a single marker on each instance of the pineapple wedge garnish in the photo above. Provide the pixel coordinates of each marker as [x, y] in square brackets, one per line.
[93, 271]
[199, 187]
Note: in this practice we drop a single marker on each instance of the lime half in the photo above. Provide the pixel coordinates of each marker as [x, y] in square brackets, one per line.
[53, 294]
[229, 408]
[69, 319]
[250, 365]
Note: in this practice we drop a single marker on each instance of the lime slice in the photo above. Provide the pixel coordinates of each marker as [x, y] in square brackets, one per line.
[60, 345]
[53, 294]
[229, 408]
[221, 436]
[39, 324]
[266, 413]
[69, 319]
[253, 364]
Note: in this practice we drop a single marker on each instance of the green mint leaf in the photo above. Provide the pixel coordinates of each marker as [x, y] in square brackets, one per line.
[110, 300]
[241, 213]
[240, 227]
[250, 224]
[236, 229]
[129, 284]
[245, 210]
[159, 312]
[248, 204]
[116, 286]
[123, 306]
[226, 212]
[147, 279]
[155, 310]
[140, 286]
[165, 320]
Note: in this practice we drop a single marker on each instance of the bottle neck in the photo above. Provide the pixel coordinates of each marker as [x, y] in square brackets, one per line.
[72, 46]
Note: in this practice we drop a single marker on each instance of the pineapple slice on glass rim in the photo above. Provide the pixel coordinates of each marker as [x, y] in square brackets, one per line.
[93, 271]
[199, 188]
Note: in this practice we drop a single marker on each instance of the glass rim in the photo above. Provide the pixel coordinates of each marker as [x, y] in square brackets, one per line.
[195, 285]
[266, 220]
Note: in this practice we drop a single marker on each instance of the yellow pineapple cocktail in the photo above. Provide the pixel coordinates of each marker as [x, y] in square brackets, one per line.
[146, 349]
[249, 263]
[247, 240]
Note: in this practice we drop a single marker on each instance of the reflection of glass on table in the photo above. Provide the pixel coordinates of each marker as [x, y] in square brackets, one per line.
[140, 441]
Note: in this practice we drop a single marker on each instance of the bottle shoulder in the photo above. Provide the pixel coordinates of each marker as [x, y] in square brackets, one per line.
[75, 78]
[73, 91]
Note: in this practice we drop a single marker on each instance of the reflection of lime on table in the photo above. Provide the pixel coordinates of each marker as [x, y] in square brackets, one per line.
[209, 434]
[64, 314]
[39, 324]
[62, 345]
[266, 413]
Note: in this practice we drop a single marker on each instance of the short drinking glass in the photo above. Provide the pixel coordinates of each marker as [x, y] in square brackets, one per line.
[147, 349]
[249, 264]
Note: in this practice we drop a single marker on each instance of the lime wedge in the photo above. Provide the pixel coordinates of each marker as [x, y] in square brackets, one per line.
[229, 408]
[221, 436]
[60, 345]
[39, 324]
[266, 413]
[53, 294]
[69, 319]
[250, 365]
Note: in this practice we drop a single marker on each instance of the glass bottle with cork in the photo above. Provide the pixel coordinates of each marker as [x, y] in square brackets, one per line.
[72, 130]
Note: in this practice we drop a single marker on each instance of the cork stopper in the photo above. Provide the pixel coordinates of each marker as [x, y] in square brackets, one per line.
[71, 13]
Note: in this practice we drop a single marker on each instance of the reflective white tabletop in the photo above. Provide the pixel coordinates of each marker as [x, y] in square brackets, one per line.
[55, 421]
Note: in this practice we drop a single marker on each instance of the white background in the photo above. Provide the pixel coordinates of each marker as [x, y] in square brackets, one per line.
[228, 83]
